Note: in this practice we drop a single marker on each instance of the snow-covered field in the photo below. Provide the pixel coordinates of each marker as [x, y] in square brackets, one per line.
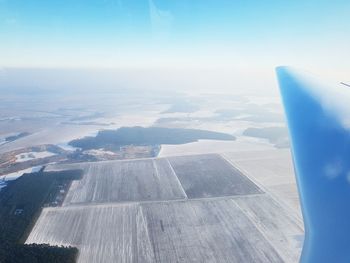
[176, 231]
[273, 171]
[23, 157]
[141, 211]
[242, 144]
[124, 181]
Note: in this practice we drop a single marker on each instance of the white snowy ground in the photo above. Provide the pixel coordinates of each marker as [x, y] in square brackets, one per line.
[130, 211]
[28, 156]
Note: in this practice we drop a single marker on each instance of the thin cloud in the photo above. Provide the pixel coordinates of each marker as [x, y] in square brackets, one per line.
[161, 21]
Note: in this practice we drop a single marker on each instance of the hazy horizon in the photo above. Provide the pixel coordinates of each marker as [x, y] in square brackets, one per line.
[245, 39]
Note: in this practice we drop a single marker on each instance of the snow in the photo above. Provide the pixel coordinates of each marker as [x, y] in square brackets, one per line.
[23, 157]
[15, 175]
[214, 146]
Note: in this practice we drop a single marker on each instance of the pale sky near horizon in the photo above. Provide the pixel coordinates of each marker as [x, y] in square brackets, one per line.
[250, 36]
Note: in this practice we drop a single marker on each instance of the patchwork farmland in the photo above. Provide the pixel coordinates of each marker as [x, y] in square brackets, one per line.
[179, 209]
[209, 175]
[123, 181]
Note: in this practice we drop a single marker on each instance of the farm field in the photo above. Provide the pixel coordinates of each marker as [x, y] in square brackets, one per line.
[283, 230]
[102, 233]
[205, 231]
[125, 181]
[197, 208]
[273, 171]
[170, 178]
[173, 231]
[209, 176]
[242, 144]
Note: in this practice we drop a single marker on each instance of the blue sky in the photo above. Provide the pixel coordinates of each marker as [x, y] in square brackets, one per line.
[233, 34]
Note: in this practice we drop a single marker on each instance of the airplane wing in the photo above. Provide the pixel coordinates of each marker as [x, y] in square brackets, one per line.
[318, 117]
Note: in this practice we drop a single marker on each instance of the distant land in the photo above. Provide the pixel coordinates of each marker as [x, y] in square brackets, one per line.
[182, 107]
[16, 137]
[252, 112]
[140, 136]
[276, 135]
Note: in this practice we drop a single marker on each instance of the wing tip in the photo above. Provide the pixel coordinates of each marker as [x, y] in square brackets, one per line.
[280, 69]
